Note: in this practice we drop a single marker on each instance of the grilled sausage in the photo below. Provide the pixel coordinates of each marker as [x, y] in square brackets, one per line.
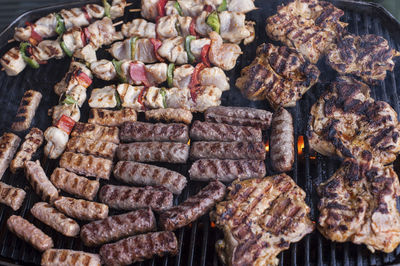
[123, 225]
[145, 174]
[111, 118]
[45, 213]
[29, 233]
[227, 150]
[126, 251]
[33, 140]
[96, 132]
[67, 257]
[11, 196]
[75, 184]
[131, 198]
[39, 181]
[87, 165]
[9, 143]
[81, 209]
[192, 208]
[92, 147]
[26, 110]
[226, 170]
[169, 152]
[241, 116]
[169, 115]
[140, 131]
[282, 141]
[224, 132]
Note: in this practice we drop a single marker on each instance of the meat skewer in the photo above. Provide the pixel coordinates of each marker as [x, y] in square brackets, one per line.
[67, 257]
[104, 117]
[136, 222]
[96, 132]
[26, 110]
[81, 209]
[169, 115]
[150, 175]
[92, 147]
[9, 143]
[11, 196]
[227, 150]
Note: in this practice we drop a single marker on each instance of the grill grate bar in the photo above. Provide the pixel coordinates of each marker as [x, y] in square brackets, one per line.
[192, 243]
[206, 222]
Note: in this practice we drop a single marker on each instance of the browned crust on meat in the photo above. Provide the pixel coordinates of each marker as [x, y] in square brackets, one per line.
[11, 196]
[104, 117]
[26, 110]
[96, 132]
[69, 257]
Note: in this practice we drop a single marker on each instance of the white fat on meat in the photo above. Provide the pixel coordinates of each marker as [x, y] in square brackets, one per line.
[13, 62]
[183, 76]
[47, 50]
[242, 6]
[129, 95]
[149, 9]
[144, 51]
[103, 98]
[102, 32]
[139, 28]
[156, 73]
[74, 17]
[197, 45]
[233, 28]
[153, 98]
[223, 55]
[174, 51]
[71, 110]
[72, 39]
[167, 27]
[57, 140]
[103, 69]
[95, 11]
[214, 76]
[77, 92]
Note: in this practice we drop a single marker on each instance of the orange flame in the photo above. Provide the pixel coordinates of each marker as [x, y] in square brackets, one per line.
[212, 224]
[188, 143]
[300, 145]
[267, 146]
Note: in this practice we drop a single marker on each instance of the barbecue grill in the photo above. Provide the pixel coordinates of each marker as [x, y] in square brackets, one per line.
[196, 241]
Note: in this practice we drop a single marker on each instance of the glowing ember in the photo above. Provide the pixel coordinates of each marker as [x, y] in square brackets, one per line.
[267, 146]
[212, 224]
[188, 143]
[300, 145]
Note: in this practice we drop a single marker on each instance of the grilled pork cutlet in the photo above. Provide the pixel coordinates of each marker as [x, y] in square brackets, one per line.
[347, 122]
[358, 204]
[279, 74]
[309, 26]
[260, 218]
[368, 57]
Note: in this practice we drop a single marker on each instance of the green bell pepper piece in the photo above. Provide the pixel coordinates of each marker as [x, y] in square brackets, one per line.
[69, 100]
[188, 40]
[163, 93]
[223, 6]
[117, 66]
[65, 49]
[30, 61]
[133, 46]
[178, 8]
[60, 28]
[170, 74]
[107, 8]
[213, 22]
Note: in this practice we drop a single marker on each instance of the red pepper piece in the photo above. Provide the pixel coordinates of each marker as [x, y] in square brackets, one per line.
[208, 8]
[140, 97]
[87, 35]
[161, 7]
[65, 123]
[138, 73]
[87, 17]
[84, 79]
[156, 45]
[35, 37]
[192, 27]
[83, 38]
[204, 55]
[194, 93]
[194, 81]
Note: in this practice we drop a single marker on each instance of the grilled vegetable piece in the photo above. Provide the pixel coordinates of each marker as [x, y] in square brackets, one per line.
[40, 182]
[29, 233]
[11, 196]
[81, 209]
[96, 132]
[9, 143]
[131, 198]
[227, 150]
[136, 222]
[92, 147]
[110, 118]
[260, 218]
[170, 115]
[125, 252]
[68, 257]
[74, 184]
[193, 208]
[26, 110]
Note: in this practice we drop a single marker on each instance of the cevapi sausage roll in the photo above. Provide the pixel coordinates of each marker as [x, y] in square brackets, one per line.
[226, 170]
[136, 222]
[11, 196]
[241, 116]
[131, 198]
[104, 117]
[40, 182]
[81, 209]
[92, 147]
[68, 257]
[169, 152]
[33, 140]
[282, 141]
[192, 208]
[45, 213]
[87, 165]
[126, 251]
[29, 233]
[224, 132]
[227, 150]
[74, 184]
[169, 115]
[141, 131]
[146, 174]
[26, 110]
[96, 132]
[9, 143]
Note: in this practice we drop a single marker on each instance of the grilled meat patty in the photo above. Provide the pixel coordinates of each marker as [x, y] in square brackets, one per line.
[346, 121]
[104, 117]
[279, 74]
[67, 257]
[368, 57]
[358, 204]
[92, 147]
[170, 115]
[9, 143]
[11, 196]
[260, 218]
[26, 110]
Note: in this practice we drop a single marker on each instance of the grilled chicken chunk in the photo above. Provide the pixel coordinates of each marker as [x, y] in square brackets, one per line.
[358, 204]
[367, 56]
[13, 62]
[347, 122]
[278, 74]
[223, 55]
[139, 28]
[260, 218]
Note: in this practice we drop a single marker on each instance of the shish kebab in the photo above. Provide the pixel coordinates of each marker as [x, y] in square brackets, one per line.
[151, 9]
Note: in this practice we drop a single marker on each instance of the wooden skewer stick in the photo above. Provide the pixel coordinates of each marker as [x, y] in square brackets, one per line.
[11, 40]
[129, 4]
[118, 23]
[2, 69]
[135, 10]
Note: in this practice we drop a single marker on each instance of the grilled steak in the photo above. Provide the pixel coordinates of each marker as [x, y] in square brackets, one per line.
[92, 147]
[169, 115]
[26, 110]
[224, 132]
[67, 257]
[81, 209]
[260, 218]
[11, 196]
[146, 174]
[126, 251]
[226, 170]
[279, 74]
[227, 150]
[346, 121]
[9, 143]
[104, 117]
[96, 132]
[40, 182]
[131, 198]
[367, 56]
[193, 208]
[358, 204]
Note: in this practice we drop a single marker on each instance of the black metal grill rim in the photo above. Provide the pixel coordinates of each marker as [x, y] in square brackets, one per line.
[197, 240]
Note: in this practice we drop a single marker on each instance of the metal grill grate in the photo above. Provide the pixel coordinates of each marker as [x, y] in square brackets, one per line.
[197, 240]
